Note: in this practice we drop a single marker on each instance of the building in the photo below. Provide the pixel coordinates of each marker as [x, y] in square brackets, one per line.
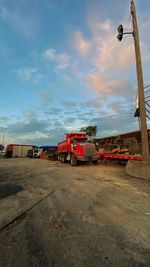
[130, 140]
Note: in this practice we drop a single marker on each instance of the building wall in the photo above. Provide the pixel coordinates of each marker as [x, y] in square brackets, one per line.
[130, 140]
[20, 151]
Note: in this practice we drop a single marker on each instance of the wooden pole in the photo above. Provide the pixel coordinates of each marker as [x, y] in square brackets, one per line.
[144, 135]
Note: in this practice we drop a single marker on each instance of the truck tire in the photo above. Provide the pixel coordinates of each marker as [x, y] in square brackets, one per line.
[95, 162]
[63, 159]
[74, 161]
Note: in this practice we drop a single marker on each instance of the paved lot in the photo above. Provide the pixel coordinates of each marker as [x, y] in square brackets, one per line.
[72, 216]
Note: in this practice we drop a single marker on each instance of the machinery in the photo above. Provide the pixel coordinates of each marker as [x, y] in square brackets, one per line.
[76, 148]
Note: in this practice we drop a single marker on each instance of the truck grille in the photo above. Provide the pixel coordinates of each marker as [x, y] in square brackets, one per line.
[89, 150]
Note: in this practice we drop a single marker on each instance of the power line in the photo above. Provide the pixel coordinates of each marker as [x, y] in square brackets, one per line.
[146, 86]
[147, 91]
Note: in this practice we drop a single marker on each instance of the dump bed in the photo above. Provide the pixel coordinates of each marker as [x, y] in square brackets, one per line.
[63, 147]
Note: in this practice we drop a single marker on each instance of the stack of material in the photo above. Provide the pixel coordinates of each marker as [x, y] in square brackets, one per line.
[43, 155]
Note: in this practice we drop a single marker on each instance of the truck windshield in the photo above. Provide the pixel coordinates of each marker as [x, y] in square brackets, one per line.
[80, 140]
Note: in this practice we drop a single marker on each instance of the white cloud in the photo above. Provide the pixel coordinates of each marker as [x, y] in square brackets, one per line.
[109, 53]
[60, 60]
[98, 82]
[81, 44]
[106, 86]
[49, 54]
[29, 74]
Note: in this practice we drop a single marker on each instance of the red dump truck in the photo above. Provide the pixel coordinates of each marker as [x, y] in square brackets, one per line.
[77, 148]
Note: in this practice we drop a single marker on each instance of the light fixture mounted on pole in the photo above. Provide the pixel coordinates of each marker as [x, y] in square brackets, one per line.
[121, 33]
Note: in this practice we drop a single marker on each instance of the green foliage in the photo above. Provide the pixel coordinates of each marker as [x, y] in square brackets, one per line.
[90, 130]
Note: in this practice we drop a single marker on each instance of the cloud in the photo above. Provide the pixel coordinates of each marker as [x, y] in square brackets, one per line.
[94, 103]
[107, 87]
[111, 54]
[145, 25]
[4, 14]
[44, 127]
[108, 49]
[98, 82]
[28, 126]
[81, 44]
[68, 103]
[49, 54]
[61, 61]
[3, 119]
[29, 74]
[70, 121]
[20, 18]
[125, 59]
[115, 124]
[45, 97]
[53, 111]
[31, 128]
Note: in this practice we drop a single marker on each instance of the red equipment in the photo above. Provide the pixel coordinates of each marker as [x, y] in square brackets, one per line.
[123, 157]
[76, 148]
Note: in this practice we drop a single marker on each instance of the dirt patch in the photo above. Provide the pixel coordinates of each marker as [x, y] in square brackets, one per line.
[96, 216]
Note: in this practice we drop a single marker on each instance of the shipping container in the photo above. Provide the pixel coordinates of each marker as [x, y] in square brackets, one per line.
[18, 150]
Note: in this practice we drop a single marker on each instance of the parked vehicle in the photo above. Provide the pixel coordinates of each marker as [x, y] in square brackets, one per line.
[37, 152]
[17, 150]
[30, 153]
[77, 148]
[53, 153]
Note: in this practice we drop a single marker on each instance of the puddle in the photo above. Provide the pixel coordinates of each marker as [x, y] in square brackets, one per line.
[7, 190]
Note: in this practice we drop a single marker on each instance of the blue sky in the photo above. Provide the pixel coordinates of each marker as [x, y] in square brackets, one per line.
[62, 67]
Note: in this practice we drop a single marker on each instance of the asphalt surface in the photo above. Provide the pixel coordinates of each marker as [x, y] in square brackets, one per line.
[95, 216]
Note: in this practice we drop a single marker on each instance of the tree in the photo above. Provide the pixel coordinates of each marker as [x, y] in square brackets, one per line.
[90, 130]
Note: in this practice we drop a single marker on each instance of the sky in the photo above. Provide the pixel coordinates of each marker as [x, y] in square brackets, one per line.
[62, 68]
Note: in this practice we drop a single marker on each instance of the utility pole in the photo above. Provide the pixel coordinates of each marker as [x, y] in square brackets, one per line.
[144, 135]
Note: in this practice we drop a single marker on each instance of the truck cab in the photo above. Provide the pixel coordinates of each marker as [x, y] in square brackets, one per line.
[37, 152]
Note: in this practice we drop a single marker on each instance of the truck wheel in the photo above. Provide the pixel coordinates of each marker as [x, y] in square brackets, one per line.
[74, 161]
[63, 159]
[95, 162]
[60, 158]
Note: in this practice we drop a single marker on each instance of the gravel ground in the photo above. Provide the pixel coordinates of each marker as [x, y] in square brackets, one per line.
[96, 216]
